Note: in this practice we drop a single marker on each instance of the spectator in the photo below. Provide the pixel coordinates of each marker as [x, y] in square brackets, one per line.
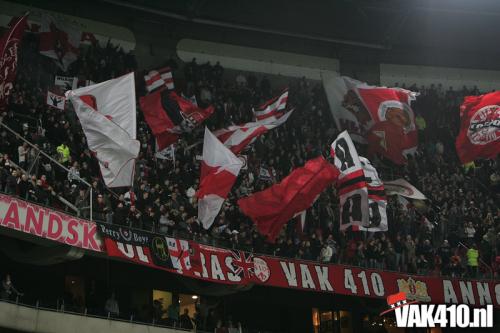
[445, 253]
[64, 153]
[23, 151]
[8, 290]
[326, 253]
[185, 320]
[173, 312]
[472, 260]
[111, 307]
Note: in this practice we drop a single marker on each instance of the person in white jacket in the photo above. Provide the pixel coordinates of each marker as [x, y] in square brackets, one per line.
[326, 253]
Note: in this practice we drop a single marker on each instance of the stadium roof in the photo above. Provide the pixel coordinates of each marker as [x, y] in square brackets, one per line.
[455, 33]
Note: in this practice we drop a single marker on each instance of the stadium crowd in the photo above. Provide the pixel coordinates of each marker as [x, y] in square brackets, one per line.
[455, 232]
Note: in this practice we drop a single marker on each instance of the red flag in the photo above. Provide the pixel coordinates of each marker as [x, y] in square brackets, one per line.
[59, 40]
[379, 116]
[169, 115]
[219, 170]
[394, 132]
[390, 140]
[236, 138]
[272, 108]
[479, 135]
[9, 44]
[275, 206]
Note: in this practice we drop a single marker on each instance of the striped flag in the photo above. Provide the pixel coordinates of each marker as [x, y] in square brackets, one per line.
[351, 184]
[237, 138]
[273, 108]
[159, 78]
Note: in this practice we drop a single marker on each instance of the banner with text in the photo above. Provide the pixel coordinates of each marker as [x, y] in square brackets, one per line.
[238, 267]
[43, 222]
[214, 264]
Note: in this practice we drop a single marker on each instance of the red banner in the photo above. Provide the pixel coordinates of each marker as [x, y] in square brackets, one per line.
[226, 266]
[46, 223]
[238, 267]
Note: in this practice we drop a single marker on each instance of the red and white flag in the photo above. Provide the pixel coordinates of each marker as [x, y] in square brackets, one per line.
[479, 135]
[59, 40]
[169, 115]
[236, 138]
[401, 187]
[107, 113]
[158, 78]
[377, 200]
[55, 100]
[180, 254]
[272, 108]
[219, 170]
[379, 116]
[272, 208]
[351, 184]
[9, 45]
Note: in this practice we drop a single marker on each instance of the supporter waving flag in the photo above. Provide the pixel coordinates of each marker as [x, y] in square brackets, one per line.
[272, 208]
[379, 116]
[169, 115]
[274, 108]
[479, 135]
[219, 170]
[9, 44]
[107, 113]
[377, 200]
[236, 138]
[159, 78]
[351, 184]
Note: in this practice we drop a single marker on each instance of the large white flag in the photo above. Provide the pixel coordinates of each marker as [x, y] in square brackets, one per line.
[107, 113]
[219, 170]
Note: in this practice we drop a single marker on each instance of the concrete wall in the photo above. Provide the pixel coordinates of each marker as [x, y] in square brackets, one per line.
[27, 319]
[485, 80]
[256, 60]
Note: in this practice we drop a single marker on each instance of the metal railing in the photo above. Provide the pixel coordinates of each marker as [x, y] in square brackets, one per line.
[60, 307]
[50, 158]
[484, 264]
[223, 244]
